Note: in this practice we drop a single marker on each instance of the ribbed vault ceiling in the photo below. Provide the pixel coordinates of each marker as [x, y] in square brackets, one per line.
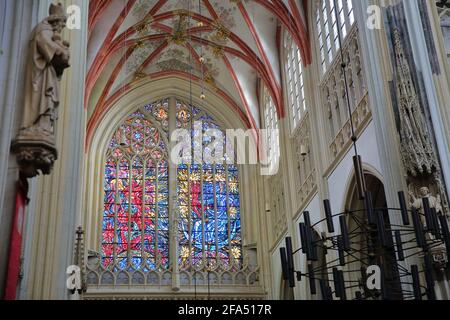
[132, 40]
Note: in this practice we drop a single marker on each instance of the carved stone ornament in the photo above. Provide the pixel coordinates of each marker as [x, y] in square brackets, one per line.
[417, 150]
[439, 258]
[419, 158]
[48, 57]
[416, 196]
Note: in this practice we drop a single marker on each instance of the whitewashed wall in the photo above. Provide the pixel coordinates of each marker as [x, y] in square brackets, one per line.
[276, 273]
[340, 179]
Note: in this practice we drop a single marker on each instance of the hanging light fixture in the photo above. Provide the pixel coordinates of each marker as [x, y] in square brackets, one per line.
[357, 160]
[304, 150]
[190, 54]
[202, 58]
[123, 138]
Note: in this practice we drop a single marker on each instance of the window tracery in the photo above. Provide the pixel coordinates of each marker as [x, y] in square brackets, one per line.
[136, 221]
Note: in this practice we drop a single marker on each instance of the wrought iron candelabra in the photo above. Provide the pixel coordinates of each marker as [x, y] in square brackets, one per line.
[406, 255]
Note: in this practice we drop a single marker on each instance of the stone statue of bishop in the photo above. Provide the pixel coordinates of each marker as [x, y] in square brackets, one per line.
[48, 57]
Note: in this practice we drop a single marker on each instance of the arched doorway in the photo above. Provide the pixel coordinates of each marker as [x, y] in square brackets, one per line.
[368, 248]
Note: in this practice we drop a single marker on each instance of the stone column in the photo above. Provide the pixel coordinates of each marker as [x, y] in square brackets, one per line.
[56, 200]
[435, 84]
[426, 60]
[377, 67]
[173, 213]
[17, 19]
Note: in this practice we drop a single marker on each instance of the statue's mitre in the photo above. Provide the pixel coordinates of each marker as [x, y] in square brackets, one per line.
[57, 10]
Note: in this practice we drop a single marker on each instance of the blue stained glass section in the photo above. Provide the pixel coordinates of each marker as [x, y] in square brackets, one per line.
[221, 200]
[234, 200]
[213, 228]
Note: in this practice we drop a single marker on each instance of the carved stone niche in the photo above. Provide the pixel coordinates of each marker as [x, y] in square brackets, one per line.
[48, 57]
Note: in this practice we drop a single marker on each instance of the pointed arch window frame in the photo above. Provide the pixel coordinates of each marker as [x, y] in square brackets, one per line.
[163, 129]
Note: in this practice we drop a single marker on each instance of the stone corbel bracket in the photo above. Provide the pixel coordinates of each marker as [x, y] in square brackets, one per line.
[34, 156]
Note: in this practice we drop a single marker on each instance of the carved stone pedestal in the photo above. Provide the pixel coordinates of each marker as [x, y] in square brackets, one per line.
[36, 153]
[439, 257]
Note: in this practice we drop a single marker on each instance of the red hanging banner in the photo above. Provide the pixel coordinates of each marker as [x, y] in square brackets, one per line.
[15, 247]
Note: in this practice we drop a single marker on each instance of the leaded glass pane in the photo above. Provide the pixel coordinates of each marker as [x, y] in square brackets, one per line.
[136, 221]
[206, 234]
[135, 190]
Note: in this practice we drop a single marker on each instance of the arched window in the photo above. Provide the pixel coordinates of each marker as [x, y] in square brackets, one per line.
[208, 201]
[294, 81]
[136, 217]
[272, 135]
[327, 27]
[137, 223]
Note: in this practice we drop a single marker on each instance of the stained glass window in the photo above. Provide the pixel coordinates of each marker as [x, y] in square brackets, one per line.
[136, 217]
[159, 111]
[208, 203]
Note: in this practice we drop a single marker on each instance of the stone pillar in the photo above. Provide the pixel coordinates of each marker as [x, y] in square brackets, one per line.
[17, 20]
[377, 67]
[378, 71]
[426, 59]
[380, 64]
[56, 200]
[173, 213]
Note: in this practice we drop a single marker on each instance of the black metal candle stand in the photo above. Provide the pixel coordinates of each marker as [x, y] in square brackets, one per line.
[368, 239]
